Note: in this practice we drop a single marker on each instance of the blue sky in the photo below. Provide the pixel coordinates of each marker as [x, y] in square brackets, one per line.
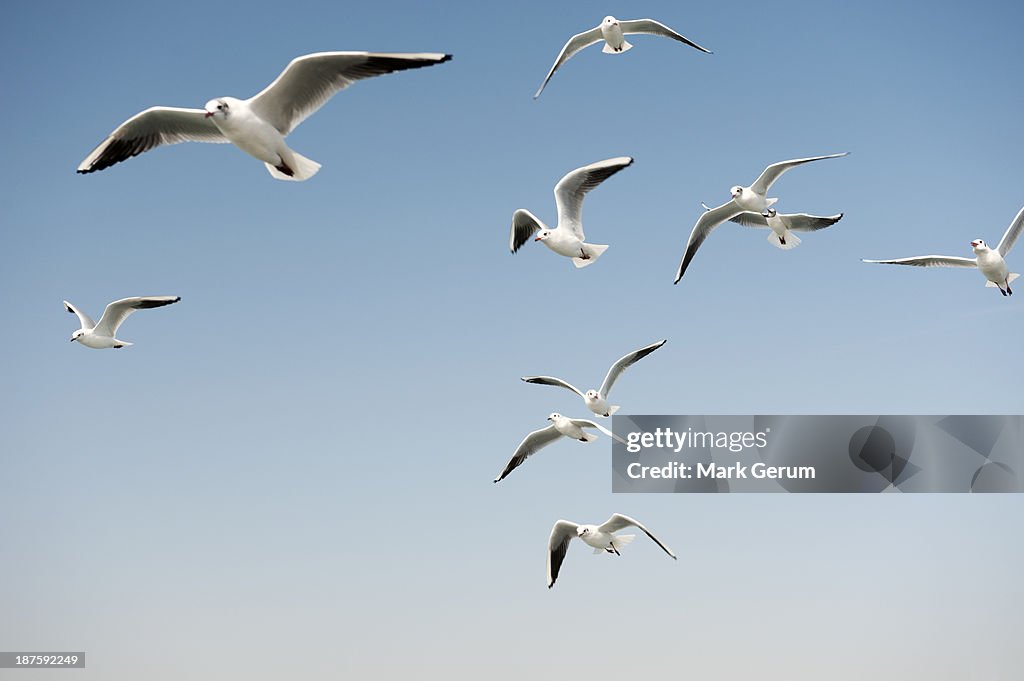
[289, 473]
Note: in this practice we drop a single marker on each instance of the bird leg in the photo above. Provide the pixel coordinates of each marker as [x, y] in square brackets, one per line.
[583, 254]
[612, 549]
[1009, 290]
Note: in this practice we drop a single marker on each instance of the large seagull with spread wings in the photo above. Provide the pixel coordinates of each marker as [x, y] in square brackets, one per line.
[257, 125]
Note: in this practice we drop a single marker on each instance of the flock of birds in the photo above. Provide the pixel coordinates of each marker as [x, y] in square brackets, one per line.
[259, 125]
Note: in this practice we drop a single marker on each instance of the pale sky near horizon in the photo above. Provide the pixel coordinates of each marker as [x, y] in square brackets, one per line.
[289, 473]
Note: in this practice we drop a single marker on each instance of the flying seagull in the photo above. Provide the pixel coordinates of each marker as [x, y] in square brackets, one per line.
[567, 237]
[989, 261]
[538, 439]
[597, 400]
[613, 32]
[100, 335]
[600, 537]
[782, 225]
[744, 199]
[257, 125]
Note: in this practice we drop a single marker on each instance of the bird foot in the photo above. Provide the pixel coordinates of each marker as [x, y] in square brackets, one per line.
[285, 169]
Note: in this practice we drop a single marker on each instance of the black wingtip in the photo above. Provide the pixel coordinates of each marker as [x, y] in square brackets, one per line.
[445, 58]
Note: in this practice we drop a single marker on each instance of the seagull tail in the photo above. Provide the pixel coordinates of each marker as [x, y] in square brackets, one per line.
[301, 168]
[626, 47]
[593, 252]
[612, 409]
[620, 540]
[1009, 280]
[588, 437]
[792, 240]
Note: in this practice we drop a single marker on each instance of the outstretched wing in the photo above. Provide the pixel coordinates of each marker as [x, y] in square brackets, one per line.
[310, 80]
[571, 189]
[530, 445]
[149, 129]
[624, 363]
[773, 172]
[652, 27]
[574, 45]
[705, 223]
[587, 423]
[930, 261]
[558, 543]
[83, 319]
[119, 310]
[551, 380]
[524, 225]
[618, 522]
[802, 222]
[1012, 232]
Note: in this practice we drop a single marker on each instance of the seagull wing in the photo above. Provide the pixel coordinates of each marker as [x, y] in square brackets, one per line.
[574, 45]
[571, 189]
[618, 522]
[707, 222]
[773, 172]
[558, 543]
[309, 81]
[652, 27]
[587, 423]
[551, 380]
[84, 319]
[930, 261]
[802, 222]
[624, 363]
[533, 442]
[149, 129]
[1012, 232]
[524, 225]
[119, 310]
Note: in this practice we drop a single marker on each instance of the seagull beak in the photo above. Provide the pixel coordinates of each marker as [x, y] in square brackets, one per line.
[536, 238]
[72, 340]
[207, 114]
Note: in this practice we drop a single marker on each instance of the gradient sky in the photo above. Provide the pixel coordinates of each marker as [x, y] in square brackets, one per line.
[289, 475]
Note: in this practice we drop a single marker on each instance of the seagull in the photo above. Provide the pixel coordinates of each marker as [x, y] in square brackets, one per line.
[567, 238]
[612, 32]
[100, 335]
[744, 199]
[597, 400]
[783, 224]
[989, 261]
[600, 537]
[538, 439]
[257, 125]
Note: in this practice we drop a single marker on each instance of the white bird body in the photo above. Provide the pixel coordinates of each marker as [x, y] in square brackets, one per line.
[597, 400]
[246, 130]
[601, 538]
[614, 40]
[568, 428]
[257, 125]
[101, 335]
[567, 238]
[991, 262]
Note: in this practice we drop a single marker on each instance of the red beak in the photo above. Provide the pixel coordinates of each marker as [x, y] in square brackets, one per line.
[537, 239]
[207, 114]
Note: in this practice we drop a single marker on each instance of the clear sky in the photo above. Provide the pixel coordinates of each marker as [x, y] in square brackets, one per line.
[289, 475]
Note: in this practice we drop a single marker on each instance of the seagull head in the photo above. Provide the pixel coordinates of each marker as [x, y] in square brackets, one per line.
[592, 395]
[553, 416]
[979, 244]
[736, 191]
[544, 234]
[582, 531]
[76, 335]
[216, 107]
[610, 21]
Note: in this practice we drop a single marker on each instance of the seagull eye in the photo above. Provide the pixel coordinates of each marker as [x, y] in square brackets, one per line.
[220, 107]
